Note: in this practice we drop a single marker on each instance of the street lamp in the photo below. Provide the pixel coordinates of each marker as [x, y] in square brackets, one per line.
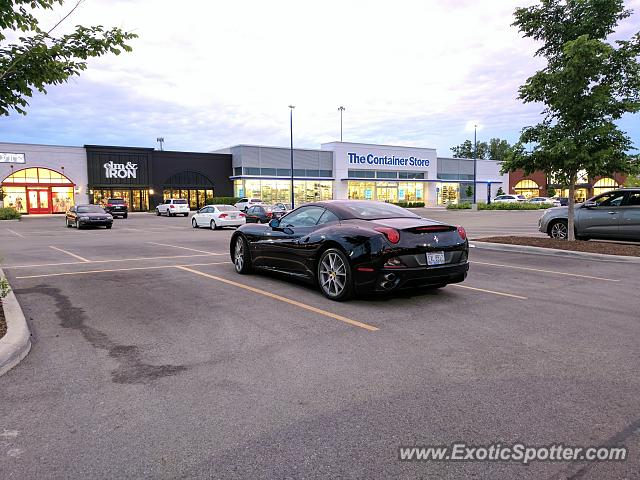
[291, 107]
[160, 140]
[475, 160]
[342, 109]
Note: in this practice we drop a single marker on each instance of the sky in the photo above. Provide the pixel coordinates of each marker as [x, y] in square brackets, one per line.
[208, 74]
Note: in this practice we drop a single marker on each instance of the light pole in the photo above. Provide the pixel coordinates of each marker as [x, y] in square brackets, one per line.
[160, 140]
[291, 107]
[475, 160]
[341, 108]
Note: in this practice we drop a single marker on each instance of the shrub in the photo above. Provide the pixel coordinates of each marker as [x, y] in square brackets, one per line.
[221, 200]
[513, 206]
[9, 213]
[4, 287]
[459, 206]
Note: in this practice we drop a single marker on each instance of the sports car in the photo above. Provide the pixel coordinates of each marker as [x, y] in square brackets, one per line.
[350, 246]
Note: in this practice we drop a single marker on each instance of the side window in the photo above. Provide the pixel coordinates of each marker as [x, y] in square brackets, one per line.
[327, 217]
[167, 201]
[242, 200]
[634, 199]
[251, 210]
[303, 217]
[613, 199]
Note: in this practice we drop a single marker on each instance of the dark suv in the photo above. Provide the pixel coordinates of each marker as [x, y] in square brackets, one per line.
[117, 207]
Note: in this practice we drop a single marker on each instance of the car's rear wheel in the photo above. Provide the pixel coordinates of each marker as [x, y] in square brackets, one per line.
[125, 215]
[558, 229]
[194, 224]
[213, 225]
[334, 275]
[241, 259]
[157, 212]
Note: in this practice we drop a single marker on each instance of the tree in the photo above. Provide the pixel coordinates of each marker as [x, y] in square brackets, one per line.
[38, 58]
[465, 150]
[498, 149]
[551, 191]
[469, 191]
[586, 86]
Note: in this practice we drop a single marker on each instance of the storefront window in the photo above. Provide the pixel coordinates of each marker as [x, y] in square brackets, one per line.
[61, 198]
[580, 196]
[272, 191]
[604, 185]
[448, 193]
[528, 188]
[136, 200]
[15, 197]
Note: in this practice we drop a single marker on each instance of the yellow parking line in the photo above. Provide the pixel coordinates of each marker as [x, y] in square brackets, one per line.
[340, 318]
[502, 294]
[69, 253]
[138, 259]
[107, 270]
[185, 248]
[545, 271]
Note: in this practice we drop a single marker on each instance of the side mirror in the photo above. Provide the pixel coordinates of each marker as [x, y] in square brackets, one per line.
[274, 223]
[589, 204]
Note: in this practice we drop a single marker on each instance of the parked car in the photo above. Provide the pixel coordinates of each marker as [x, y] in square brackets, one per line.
[244, 203]
[263, 213]
[551, 201]
[218, 216]
[509, 198]
[281, 207]
[172, 207]
[564, 201]
[116, 207]
[351, 246]
[614, 215]
[80, 216]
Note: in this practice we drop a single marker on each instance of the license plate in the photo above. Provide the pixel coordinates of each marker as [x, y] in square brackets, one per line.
[435, 258]
[233, 217]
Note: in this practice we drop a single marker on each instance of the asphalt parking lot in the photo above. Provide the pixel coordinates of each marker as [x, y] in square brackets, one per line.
[152, 358]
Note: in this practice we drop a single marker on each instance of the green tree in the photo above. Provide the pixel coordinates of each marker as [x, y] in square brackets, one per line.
[469, 191]
[551, 191]
[37, 58]
[465, 150]
[585, 87]
[498, 149]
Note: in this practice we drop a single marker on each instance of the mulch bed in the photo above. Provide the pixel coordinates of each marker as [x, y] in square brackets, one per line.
[3, 323]
[607, 248]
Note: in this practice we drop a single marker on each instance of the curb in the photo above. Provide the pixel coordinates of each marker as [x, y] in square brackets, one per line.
[553, 252]
[16, 343]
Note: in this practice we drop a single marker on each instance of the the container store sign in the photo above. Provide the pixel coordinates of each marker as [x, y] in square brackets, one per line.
[120, 170]
[373, 160]
[12, 157]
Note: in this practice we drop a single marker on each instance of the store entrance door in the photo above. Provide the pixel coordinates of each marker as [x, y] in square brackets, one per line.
[38, 200]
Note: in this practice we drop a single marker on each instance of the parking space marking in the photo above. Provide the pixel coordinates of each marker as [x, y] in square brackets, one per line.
[69, 253]
[185, 248]
[139, 259]
[15, 233]
[304, 306]
[502, 294]
[108, 270]
[545, 271]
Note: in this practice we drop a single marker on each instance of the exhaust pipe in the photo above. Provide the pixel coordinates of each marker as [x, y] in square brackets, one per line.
[389, 280]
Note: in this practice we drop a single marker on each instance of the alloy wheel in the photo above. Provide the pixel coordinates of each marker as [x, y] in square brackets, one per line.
[194, 224]
[559, 230]
[238, 256]
[333, 274]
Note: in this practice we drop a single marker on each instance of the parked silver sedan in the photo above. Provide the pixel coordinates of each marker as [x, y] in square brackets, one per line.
[612, 215]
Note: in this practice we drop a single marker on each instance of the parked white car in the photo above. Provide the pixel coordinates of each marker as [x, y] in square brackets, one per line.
[245, 203]
[172, 207]
[551, 201]
[218, 216]
[513, 198]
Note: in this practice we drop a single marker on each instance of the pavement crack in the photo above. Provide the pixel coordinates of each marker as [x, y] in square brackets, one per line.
[131, 367]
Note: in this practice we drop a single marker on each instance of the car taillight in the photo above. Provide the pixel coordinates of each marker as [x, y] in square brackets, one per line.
[172, 206]
[392, 234]
[269, 214]
[242, 215]
[223, 215]
[462, 232]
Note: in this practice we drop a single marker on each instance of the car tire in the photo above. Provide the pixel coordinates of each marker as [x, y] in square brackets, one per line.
[186, 214]
[194, 224]
[241, 257]
[67, 222]
[213, 225]
[125, 215]
[109, 226]
[334, 275]
[78, 225]
[558, 229]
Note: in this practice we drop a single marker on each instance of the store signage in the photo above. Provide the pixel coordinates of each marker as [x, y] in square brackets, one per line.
[387, 160]
[120, 170]
[12, 158]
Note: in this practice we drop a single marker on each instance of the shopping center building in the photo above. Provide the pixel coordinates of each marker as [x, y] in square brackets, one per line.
[48, 179]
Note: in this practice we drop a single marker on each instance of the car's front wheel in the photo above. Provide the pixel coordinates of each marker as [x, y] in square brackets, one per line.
[194, 224]
[334, 275]
[157, 212]
[558, 229]
[241, 258]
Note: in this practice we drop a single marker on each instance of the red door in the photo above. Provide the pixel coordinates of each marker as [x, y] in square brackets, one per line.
[38, 200]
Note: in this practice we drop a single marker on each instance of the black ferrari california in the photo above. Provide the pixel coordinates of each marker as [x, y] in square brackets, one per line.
[351, 246]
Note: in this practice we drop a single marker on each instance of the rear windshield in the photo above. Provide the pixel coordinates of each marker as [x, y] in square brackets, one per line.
[91, 209]
[373, 210]
[116, 201]
[179, 202]
[226, 208]
[254, 200]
